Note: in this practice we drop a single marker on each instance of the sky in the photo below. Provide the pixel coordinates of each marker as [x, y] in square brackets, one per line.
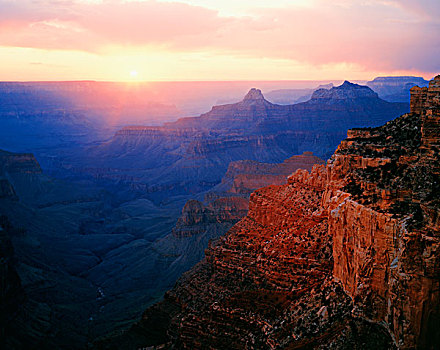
[196, 40]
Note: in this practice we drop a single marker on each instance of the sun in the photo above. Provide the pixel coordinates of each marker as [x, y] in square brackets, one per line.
[134, 74]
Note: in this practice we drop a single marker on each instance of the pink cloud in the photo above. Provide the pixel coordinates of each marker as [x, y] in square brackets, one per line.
[81, 26]
[375, 34]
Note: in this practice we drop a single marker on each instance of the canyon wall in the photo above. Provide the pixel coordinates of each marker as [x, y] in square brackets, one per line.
[344, 257]
[192, 154]
[382, 198]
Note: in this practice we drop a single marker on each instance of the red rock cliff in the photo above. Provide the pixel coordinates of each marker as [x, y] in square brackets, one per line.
[346, 256]
[382, 200]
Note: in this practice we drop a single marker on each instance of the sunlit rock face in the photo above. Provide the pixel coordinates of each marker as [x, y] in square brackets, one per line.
[243, 177]
[346, 256]
[384, 216]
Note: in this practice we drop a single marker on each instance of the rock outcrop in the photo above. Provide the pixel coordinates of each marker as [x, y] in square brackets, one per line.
[346, 256]
[228, 202]
[18, 175]
[18, 163]
[254, 95]
[384, 186]
[244, 177]
[7, 190]
[196, 217]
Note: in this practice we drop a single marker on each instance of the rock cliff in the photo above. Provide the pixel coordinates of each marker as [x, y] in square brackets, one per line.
[243, 177]
[383, 202]
[346, 256]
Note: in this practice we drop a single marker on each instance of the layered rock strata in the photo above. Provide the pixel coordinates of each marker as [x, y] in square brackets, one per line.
[383, 202]
[192, 154]
[197, 217]
[228, 202]
[18, 163]
[346, 256]
[245, 176]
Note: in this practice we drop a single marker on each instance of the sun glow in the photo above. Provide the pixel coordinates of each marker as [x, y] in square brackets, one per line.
[131, 40]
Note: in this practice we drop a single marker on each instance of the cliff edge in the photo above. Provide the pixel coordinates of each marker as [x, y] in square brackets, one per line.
[344, 257]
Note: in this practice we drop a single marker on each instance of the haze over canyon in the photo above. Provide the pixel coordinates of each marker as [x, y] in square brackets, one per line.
[103, 219]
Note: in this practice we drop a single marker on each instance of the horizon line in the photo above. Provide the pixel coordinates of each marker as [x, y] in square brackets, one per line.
[205, 81]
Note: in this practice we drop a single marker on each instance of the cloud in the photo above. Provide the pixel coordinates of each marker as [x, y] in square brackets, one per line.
[92, 26]
[376, 34]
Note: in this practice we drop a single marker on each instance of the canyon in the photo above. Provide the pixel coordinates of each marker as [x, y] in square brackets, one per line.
[192, 154]
[69, 236]
[95, 227]
[344, 256]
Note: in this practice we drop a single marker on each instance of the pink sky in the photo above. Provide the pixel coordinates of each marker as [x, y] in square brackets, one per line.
[218, 40]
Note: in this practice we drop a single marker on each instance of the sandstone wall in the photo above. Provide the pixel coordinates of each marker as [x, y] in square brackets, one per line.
[388, 258]
[346, 256]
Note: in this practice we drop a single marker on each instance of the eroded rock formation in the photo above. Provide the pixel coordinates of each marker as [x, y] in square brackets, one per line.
[196, 217]
[18, 163]
[228, 202]
[383, 195]
[243, 177]
[396, 89]
[346, 256]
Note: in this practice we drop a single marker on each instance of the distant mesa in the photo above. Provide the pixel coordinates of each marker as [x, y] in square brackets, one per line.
[399, 80]
[325, 86]
[396, 89]
[18, 163]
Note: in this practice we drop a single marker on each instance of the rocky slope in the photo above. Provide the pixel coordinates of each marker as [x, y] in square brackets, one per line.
[346, 256]
[209, 218]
